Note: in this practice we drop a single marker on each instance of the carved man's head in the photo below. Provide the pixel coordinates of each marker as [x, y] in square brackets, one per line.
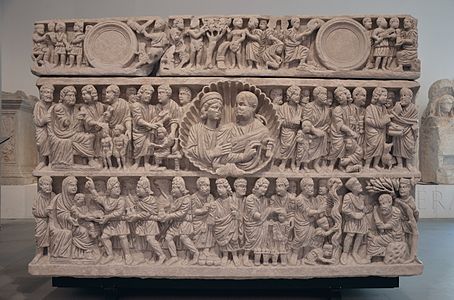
[260, 187]
[246, 104]
[240, 185]
[144, 93]
[350, 144]
[39, 29]
[203, 185]
[386, 202]
[253, 23]
[164, 93]
[342, 94]
[294, 94]
[184, 95]
[60, 27]
[367, 23]
[263, 24]
[178, 23]
[178, 187]
[89, 94]
[143, 188]
[354, 185]
[282, 186]
[409, 23]
[51, 26]
[131, 94]
[295, 22]
[223, 187]
[45, 184]
[404, 187]
[382, 23]
[307, 186]
[160, 24]
[112, 93]
[68, 95]
[379, 96]
[78, 26]
[327, 250]
[359, 96]
[305, 96]
[322, 187]
[394, 22]
[237, 22]
[406, 95]
[276, 96]
[46, 93]
[113, 187]
[320, 95]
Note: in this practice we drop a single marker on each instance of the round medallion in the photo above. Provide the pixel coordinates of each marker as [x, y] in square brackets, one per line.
[342, 44]
[110, 44]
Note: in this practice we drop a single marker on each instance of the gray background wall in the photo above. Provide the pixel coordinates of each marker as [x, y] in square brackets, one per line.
[436, 42]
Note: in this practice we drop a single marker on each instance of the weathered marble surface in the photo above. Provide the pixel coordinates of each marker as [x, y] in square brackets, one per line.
[18, 154]
[278, 46]
[222, 176]
[436, 149]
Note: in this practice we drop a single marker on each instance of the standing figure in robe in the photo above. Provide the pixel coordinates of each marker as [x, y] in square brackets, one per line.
[227, 219]
[406, 118]
[294, 50]
[290, 114]
[202, 203]
[239, 196]
[143, 127]
[41, 214]
[376, 121]
[340, 126]
[358, 113]
[41, 118]
[256, 224]
[318, 113]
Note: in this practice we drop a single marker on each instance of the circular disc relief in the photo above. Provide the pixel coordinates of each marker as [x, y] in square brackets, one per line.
[342, 44]
[110, 44]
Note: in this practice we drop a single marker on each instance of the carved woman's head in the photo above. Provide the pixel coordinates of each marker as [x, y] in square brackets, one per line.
[211, 107]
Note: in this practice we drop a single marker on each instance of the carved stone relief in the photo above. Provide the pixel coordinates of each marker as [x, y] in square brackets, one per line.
[223, 177]
[335, 47]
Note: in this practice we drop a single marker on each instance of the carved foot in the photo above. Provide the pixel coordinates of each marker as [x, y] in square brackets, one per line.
[247, 262]
[106, 260]
[171, 260]
[194, 259]
[160, 260]
[236, 261]
[36, 258]
[40, 165]
[344, 258]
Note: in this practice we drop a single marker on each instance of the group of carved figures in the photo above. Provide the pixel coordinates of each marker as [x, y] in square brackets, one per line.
[117, 221]
[312, 134]
[227, 43]
[52, 48]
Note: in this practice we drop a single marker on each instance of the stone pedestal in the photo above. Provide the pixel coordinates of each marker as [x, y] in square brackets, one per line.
[18, 155]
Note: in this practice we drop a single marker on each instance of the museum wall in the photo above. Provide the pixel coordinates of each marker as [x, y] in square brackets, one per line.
[17, 17]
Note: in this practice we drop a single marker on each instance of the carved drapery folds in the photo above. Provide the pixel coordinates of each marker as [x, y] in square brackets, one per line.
[171, 176]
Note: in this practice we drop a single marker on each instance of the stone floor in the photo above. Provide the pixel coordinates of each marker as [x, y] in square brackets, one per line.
[436, 283]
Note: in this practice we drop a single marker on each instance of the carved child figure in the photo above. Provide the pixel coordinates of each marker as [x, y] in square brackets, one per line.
[162, 145]
[120, 143]
[353, 157]
[41, 214]
[76, 45]
[106, 149]
[355, 225]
